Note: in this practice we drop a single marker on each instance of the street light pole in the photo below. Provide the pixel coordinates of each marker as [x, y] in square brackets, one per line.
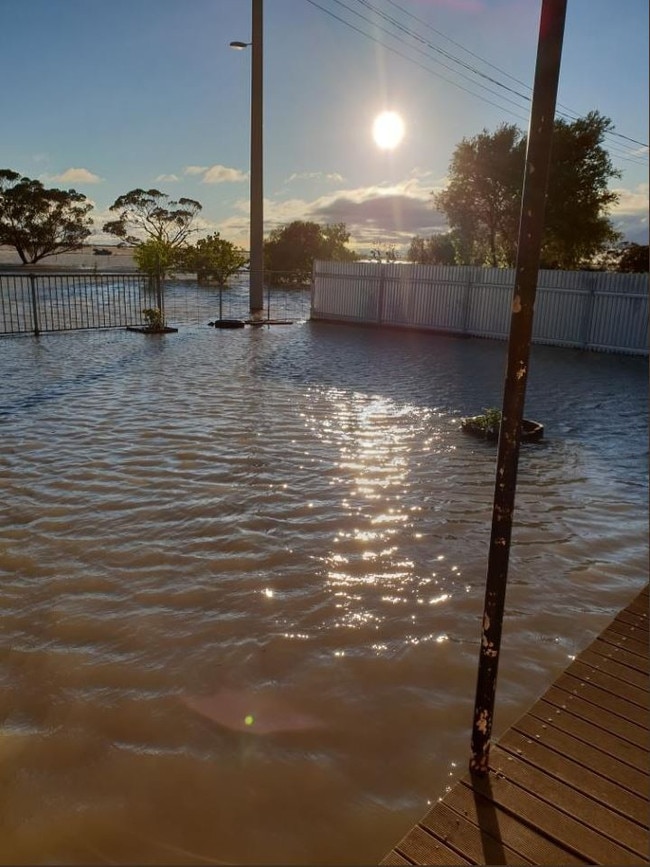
[257, 163]
[256, 266]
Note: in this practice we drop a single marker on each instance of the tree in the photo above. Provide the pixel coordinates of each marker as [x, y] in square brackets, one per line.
[388, 253]
[145, 214]
[156, 258]
[437, 250]
[212, 258]
[290, 251]
[483, 200]
[628, 257]
[149, 216]
[40, 222]
[577, 226]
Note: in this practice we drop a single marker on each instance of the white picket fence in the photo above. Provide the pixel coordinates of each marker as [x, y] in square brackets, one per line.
[595, 310]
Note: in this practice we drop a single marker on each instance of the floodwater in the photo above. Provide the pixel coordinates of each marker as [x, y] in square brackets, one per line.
[242, 578]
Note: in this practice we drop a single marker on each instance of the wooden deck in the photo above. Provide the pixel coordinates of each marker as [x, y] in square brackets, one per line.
[569, 782]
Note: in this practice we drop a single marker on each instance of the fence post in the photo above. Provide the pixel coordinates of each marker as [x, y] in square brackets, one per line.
[32, 281]
[588, 315]
[468, 298]
[160, 301]
[380, 298]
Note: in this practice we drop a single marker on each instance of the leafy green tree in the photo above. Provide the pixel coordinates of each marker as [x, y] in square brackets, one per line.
[290, 251]
[577, 226]
[156, 258]
[214, 259]
[40, 222]
[149, 214]
[436, 250]
[483, 199]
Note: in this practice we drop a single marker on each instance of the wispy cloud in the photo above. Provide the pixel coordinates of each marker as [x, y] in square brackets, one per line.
[632, 201]
[630, 214]
[223, 175]
[76, 176]
[216, 174]
[333, 177]
[382, 214]
[169, 179]
[374, 215]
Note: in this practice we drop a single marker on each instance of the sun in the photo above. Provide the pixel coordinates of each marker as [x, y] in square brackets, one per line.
[388, 130]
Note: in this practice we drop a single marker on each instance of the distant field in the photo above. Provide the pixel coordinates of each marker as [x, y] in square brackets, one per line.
[120, 260]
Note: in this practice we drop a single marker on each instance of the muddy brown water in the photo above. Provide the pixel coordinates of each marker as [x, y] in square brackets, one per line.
[242, 576]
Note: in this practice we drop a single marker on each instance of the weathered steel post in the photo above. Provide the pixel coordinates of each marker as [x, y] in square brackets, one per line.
[257, 162]
[547, 71]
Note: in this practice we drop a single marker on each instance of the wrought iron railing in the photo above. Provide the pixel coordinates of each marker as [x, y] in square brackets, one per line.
[44, 302]
[36, 303]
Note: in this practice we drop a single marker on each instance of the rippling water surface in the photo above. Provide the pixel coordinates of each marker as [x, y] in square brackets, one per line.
[242, 573]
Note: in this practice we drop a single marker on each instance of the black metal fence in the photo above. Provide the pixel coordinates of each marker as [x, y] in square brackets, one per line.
[44, 302]
[36, 303]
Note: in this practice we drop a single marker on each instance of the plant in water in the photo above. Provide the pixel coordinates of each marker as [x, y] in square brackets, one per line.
[487, 424]
[490, 420]
[155, 318]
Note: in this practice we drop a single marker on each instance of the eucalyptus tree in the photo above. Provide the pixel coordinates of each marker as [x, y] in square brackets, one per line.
[40, 222]
[150, 214]
[149, 217]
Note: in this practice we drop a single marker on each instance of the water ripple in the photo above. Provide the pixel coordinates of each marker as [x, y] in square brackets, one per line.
[291, 514]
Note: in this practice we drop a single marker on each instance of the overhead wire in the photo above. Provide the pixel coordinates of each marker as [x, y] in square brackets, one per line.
[628, 156]
[411, 59]
[571, 113]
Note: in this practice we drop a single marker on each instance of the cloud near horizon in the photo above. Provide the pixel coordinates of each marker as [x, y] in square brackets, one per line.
[217, 174]
[382, 214]
[630, 214]
[315, 176]
[393, 215]
[76, 176]
[373, 215]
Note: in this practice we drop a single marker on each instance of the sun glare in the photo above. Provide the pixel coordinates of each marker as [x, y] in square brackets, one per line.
[388, 130]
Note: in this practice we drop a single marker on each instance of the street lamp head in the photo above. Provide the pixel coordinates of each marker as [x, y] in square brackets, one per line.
[240, 45]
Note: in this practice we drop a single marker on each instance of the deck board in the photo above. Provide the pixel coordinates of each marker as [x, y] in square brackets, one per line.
[589, 733]
[620, 654]
[569, 782]
[623, 729]
[574, 801]
[617, 669]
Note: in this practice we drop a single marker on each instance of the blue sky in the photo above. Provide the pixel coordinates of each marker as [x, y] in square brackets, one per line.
[108, 95]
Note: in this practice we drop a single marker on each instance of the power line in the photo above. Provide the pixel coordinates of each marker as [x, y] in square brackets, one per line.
[457, 44]
[412, 60]
[433, 47]
[628, 157]
[497, 68]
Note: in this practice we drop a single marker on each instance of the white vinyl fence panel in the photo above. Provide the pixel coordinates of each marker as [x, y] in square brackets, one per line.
[602, 311]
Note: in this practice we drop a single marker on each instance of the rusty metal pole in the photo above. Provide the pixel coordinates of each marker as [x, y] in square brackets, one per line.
[547, 71]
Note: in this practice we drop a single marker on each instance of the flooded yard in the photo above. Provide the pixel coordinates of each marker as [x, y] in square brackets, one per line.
[243, 571]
